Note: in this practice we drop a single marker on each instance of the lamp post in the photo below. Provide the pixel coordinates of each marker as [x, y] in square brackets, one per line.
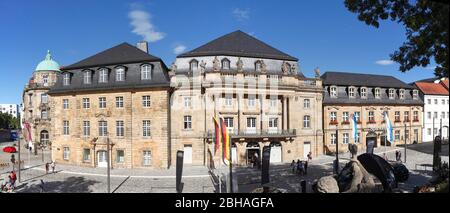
[405, 143]
[337, 151]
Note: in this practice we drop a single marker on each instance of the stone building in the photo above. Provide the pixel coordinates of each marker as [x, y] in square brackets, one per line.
[260, 92]
[35, 99]
[367, 97]
[119, 96]
[436, 108]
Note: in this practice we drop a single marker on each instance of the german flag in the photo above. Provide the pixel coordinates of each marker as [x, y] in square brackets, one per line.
[218, 136]
[226, 142]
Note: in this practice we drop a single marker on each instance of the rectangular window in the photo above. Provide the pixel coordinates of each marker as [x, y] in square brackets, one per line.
[371, 116]
[435, 131]
[120, 129]
[120, 74]
[146, 101]
[251, 125]
[429, 101]
[251, 102]
[44, 98]
[402, 94]
[273, 102]
[86, 103]
[429, 115]
[416, 115]
[147, 158]
[86, 128]
[66, 128]
[145, 72]
[102, 102]
[103, 76]
[87, 77]
[391, 93]
[306, 121]
[363, 92]
[406, 116]
[443, 102]
[435, 115]
[187, 124]
[333, 116]
[306, 104]
[377, 93]
[187, 102]
[333, 91]
[429, 131]
[351, 92]
[273, 123]
[333, 139]
[66, 153]
[228, 101]
[119, 102]
[358, 136]
[146, 128]
[406, 134]
[345, 138]
[397, 116]
[66, 79]
[397, 135]
[357, 116]
[86, 155]
[345, 116]
[102, 128]
[65, 103]
[120, 156]
[436, 101]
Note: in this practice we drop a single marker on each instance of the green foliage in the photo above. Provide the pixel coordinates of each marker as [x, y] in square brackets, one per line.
[8, 121]
[426, 23]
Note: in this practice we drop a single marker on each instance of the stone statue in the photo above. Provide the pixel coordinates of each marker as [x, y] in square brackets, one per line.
[285, 67]
[294, 69]
[216, 64]
[173, 67]
[263, 66]
[202, 66]
[317, 71]
[240, 64]
[353, 178]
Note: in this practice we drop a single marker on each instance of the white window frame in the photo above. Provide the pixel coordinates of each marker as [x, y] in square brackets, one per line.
[251, 125]
[103, 75]
[363, 92]
[146, 101]
[371, 116]
[102, 128]
[226, 64]
[228, 101]
[188, 102]
[333, 116]
[119, 102]
[120, 74]
[377, 93]
[65, 103]
[120, 128]
[120, 158]
[358, 116]
[187, 122]
[86, 128]
[334, 91]
[66, 153]
[146, 72]
[391, 93]
[102, 102]
[66, 130]
[402, 94]
[333, 139]
[44, 98]
[345, 138]
[87, 77]
[307, 121]
[251, 102]
[307, 103]
[345, 116]
[44, 114]
[146, 128]
[66, 79]
[351, 92]
[86, 103]
[193, 65]
[273, 124]
[146, 158]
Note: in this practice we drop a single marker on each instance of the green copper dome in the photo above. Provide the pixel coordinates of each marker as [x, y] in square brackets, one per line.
[48, 64]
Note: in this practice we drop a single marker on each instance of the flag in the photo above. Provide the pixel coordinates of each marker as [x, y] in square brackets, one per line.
[389, 132]
[354, 127]
[226, 142]
[217, 134]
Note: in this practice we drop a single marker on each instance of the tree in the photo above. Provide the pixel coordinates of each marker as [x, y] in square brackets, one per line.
[8, 121]
[426, 23]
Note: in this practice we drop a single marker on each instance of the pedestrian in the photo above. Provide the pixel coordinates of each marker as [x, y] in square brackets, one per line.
[309, 156]
[399, 156]
[293, 166]
[306, 167]
[53, 166]
[47, 165]
[301, 168]
[297, 165]
[396, 155]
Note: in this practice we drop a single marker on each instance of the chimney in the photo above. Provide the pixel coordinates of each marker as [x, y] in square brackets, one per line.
[142, 45]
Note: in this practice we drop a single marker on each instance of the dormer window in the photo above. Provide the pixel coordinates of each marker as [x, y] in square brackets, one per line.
[333, 91]
[87, 77]
[391, 93]
[363, 92]
[45, 80]
[402, 94]
[66, 79]
[193, 65]
[351, 92]
[377, 93]
[225, 64]
[146, 72]
[120, 74]
[103, 75]
[258, 66]
[415, 94]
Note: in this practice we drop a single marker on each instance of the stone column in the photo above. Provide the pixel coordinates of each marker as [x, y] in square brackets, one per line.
[284, 113]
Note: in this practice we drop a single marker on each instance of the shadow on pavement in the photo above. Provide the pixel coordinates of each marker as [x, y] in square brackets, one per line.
[71, 184]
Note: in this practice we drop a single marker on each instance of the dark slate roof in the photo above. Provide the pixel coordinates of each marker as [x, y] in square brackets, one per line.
[121, 54]
[369, 80]
[238, 43]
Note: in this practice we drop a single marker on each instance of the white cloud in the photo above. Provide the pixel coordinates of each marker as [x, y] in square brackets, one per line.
[142, 25]
[241, 14]
[179, 49]
[384, 62]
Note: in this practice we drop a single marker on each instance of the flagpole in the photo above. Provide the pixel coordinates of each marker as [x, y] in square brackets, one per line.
[231, 167]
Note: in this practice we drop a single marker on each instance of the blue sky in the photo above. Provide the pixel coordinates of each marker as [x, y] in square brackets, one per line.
[321, 33]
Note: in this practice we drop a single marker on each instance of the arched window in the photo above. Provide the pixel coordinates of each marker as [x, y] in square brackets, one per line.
[146, 72]
[45, 80]
[225, 64]
[103, 75]
[44, 137]
[120, 74]
[193, 65]
[87, 77]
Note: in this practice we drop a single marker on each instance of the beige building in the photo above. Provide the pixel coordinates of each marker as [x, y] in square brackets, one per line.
[367, 97]
[36, 102]
[259, 91]
[119, 96]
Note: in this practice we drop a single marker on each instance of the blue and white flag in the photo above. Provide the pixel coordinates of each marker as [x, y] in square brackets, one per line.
[354, 127]
[389, 129]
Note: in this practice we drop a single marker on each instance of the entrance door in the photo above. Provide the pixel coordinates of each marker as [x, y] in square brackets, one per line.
[187, 154]
[306, 149]
[102, 156]
[275, 154]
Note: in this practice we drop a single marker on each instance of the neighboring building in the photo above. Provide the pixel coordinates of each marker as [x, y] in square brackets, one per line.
[120, 95]
[257, 89]
[12, 109]
[367, 97]
[436, 99]
[36, 102]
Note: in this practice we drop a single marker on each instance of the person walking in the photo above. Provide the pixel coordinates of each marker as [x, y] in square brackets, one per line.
[297, 165]
[47, 165]
[309, 156]
[53, 166]
[293, 166]
[306, 167]
[399, 156]
[396, 155]
[301, 168]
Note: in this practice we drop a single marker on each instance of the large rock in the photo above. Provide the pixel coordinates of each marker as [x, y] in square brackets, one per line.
[326, 184]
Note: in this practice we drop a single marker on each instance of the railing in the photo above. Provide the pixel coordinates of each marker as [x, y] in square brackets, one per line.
[257, 133]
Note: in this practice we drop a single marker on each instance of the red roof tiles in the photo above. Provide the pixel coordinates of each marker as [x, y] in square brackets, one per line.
[432, 88]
